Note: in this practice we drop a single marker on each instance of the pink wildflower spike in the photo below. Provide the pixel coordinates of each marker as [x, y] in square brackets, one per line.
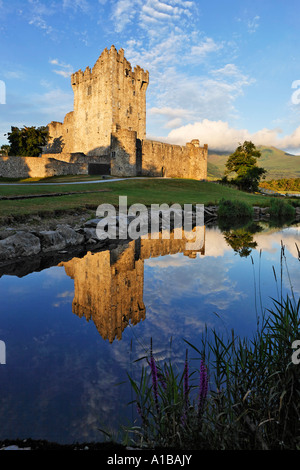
[203, 386]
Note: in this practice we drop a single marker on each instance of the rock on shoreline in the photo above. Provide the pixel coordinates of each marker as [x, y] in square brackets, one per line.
[20, 244]
[27, 241]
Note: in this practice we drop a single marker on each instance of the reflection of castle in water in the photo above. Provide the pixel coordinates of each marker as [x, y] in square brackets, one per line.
[108, 285]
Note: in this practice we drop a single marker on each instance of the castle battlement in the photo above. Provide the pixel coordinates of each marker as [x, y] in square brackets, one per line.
[104, 63]
[109, 121]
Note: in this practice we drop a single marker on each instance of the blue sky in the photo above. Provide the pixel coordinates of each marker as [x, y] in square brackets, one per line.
[221, 71]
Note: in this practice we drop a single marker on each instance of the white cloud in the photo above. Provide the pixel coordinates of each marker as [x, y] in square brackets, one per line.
[173, 123]
[233, 76]
[65, 70]
[227, 70]
[39, 8]
[37, 13]
[54, 103]
[82, 5]
[149, 11]
[220, 136]
[156, 11]
[150, 14]
[63, 73]
[170, 112]
[64, 298]
[13, 74]
[157, 56]
[204, 48]
[169, 47]
[288, 237]
[217, 134]
[291, 141]
[253, 24]
[41, 23]
[123, 13]
[194, 98]
[212, 280]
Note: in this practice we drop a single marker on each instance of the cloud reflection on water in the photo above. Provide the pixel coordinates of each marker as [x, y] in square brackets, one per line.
[58, 360]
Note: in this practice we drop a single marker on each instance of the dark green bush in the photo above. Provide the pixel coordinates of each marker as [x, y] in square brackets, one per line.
[234, 210]
[281, 210]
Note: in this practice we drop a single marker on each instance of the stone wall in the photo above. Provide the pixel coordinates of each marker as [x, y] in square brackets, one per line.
[24, 167]
[55, 139]
[123, 153]
[131, 156]
[174, 161]
[78, 157]
[128, 156]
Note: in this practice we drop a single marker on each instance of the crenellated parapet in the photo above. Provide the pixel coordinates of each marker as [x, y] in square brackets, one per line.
[109, 121]
[105, 60]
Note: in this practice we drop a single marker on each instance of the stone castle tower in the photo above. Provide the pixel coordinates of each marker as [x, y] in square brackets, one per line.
[109, 97]
[106, 131]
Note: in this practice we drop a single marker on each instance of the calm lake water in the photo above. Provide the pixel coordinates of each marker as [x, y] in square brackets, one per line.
[72, 331]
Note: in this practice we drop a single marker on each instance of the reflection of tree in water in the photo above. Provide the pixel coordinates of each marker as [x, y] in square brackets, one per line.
[298, 250]
[240, 240]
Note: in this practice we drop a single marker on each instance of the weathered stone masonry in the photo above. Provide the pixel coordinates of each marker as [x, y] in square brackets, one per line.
[110, 95]
[106, 131]
[109, 122]
[23, 167]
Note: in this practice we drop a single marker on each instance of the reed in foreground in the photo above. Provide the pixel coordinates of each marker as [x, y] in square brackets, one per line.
[244, 394]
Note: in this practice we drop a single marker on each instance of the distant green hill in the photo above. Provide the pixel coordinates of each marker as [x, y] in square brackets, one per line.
[213, 171]
[278, 163]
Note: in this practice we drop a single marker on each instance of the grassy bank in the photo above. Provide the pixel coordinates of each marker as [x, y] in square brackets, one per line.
[144, 191]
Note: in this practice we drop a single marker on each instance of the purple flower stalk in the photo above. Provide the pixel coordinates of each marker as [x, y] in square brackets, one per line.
[185, 389]
[186, 378]
[203, 385]
[154, 377]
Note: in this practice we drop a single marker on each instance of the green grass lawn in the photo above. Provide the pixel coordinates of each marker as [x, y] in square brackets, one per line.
[144, 191]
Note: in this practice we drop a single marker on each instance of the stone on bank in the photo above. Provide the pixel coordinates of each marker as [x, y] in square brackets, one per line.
[20, 244]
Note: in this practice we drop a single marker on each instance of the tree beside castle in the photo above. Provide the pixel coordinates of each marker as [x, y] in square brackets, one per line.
[27, 141]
